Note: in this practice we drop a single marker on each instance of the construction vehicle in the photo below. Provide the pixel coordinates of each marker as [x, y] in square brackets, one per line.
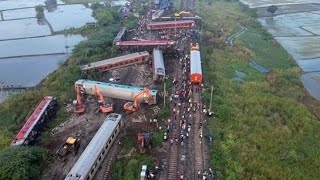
[143, 140]
[104, 107]
[78, 105]
[182, 14]
[72, 144]
[144, 95]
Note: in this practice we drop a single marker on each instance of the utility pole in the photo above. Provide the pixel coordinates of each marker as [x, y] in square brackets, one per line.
[211, 98]
[164, 95]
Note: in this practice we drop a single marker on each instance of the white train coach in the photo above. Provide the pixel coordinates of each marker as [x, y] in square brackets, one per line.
[94, 154]
[158, 68]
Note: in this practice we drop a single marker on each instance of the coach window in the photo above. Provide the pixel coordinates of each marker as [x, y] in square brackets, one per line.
[99, 157]
[112, 136]
[109, 141]
[116, 131]
[91, 172]
[103, 152]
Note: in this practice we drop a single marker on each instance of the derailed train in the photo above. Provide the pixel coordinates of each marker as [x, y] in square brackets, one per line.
[195, 65]
[116, 91]
[158, 68]
[90, 160]
[45, 111]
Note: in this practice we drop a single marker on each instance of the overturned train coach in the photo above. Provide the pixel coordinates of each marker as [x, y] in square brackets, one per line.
[45, 111]
[116, 91]
[158, 68]
[90, 160]
[195, 65]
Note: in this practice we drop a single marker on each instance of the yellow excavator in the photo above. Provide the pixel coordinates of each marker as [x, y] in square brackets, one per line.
[144, 95]
[104, 107]
[72, 144]
[78, 105]
[183, 14]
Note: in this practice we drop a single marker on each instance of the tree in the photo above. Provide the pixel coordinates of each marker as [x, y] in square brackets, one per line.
[272, 9]
[22, 162]
[40, 12]
[104, 17]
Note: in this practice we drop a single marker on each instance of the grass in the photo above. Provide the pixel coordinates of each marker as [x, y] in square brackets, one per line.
[130, 168]
[267, 53]
[261, 129]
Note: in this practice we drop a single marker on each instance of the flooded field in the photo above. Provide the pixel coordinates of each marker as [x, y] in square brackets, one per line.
[78, 15]
[264, 3]
[15, 4]
[29, 48]
[22, 28]
[19, 13]
[310, 65]
[28, 71]
[299, 34]
[311, 82]
[295, 24]
[40, 46]
[301, 47]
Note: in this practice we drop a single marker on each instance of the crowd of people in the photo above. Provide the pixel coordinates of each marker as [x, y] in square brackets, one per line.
[181, 102]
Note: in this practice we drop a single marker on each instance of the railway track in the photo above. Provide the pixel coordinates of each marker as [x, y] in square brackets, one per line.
[104, 172]
[174, 169]
[197, 132]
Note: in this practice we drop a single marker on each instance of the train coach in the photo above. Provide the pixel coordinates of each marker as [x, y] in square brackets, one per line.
[45, 111]
[113, 90]
[94, 154]
[195, 65]
[158, 68]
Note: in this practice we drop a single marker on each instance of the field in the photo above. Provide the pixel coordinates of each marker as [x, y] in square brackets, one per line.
[301, 47]
[263, 3]
[299, 33]
[265, 125]
[295, 24]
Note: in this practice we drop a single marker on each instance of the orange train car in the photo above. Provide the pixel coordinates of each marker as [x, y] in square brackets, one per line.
[195, 65]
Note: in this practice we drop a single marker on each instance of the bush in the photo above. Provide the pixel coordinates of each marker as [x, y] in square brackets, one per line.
[40, 12]
[22, 162]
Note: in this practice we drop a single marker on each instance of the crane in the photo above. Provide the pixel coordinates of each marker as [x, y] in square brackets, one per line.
[78, 105]
[133, 106]
[104, 107]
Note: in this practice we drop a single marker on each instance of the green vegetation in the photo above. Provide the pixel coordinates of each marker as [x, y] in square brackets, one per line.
[128, 143]
[272, 9]
[84, 30]
[40, 12]
[157, 138]
[164, 112]
[263, 128]
[22, 163]
[129, 169]
[14, 111]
